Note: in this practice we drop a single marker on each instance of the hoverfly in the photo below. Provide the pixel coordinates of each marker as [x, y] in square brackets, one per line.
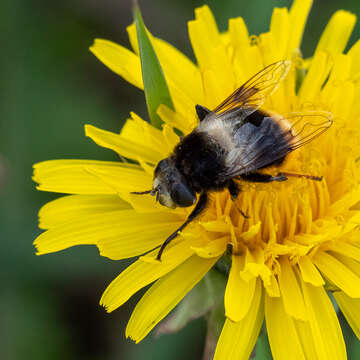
[233, 142]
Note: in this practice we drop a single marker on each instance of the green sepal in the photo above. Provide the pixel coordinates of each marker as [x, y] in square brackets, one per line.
[262, 349]
[205, 297]
[215, 322]
[330, 287]
[299, 79]
[155, 86]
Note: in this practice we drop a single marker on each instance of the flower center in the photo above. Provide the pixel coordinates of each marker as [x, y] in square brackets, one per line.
[283, 217]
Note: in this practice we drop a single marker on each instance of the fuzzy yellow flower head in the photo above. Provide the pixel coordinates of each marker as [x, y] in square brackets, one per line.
[301, 238]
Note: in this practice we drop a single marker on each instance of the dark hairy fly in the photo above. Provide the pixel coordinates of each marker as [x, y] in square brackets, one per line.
[233, 142]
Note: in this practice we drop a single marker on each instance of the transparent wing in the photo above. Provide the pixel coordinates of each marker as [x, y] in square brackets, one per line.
[251, 95]
[262, 146]
[306, 126]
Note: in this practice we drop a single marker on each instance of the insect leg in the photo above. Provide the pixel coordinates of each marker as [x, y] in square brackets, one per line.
[200, 206]
[263, 178]
[234, 191]
[310, 177]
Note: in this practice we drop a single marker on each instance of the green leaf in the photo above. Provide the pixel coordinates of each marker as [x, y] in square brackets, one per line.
[155, 87]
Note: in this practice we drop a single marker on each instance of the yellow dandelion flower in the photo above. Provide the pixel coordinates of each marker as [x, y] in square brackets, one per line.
[301, 237]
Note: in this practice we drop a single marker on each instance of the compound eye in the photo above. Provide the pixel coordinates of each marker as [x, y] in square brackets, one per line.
[182, 195]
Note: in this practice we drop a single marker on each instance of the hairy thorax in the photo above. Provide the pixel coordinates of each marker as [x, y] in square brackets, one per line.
[201, 159]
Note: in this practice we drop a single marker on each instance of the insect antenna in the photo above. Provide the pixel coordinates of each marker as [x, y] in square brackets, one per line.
[142, 192]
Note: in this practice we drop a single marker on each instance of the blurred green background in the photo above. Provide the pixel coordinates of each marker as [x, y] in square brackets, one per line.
[51, 85]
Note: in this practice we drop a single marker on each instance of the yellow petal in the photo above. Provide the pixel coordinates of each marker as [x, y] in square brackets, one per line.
[291, 293]
[183, 77]
[346, 249]
[324, 324]
[211, 54]
[338, 273]
[123, 147]
[214, 248]
[346, 202]
[298, 15]
[137, 233]
[67, 208]
[251, 232]
[171, 138]
[203, 34]
[237, 340]
[351, 309]
[283, 337]
[204, 14]
[239, 39]
[239, 34]
[182, 71]
[272, 288]
[118, 234]
[339, 73]
[142, 134]
[123, 180]
[354, 53]
[269, 49]
[343, 104]
[119, 59]
[255, 266]
[309, 272]
[302, 342]
[140, 274]
[176, 120]
[131, 30]
[146, 203]
[339, 91]
[337, 33]
[239, 293]
[165, 294]
[216, 226]
[299, 341]
[248, 63]
[280, 30]
[222, 69]
[306, 338]
[318, 72]
[140, 131]
[214, 93]
[351, 264]
[90, 177]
